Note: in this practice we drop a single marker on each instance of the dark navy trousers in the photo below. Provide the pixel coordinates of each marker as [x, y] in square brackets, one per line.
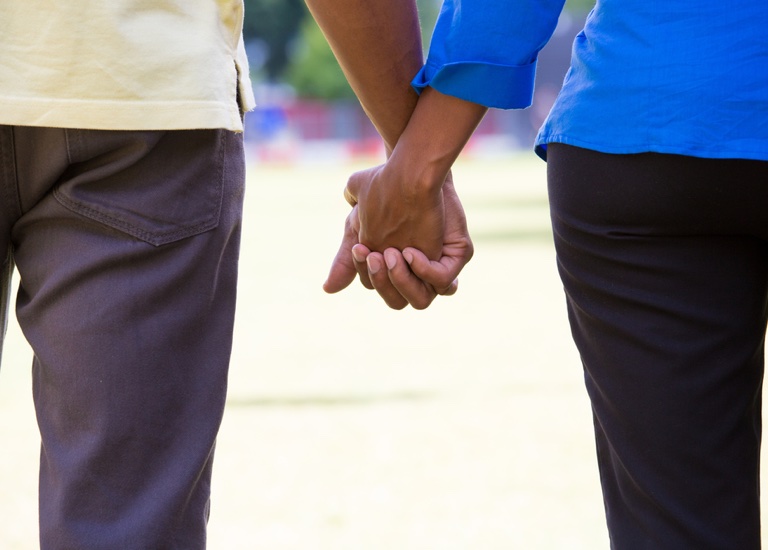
[664, 261]
[127, 246]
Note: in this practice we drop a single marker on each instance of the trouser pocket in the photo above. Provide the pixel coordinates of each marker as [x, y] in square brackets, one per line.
[157, 186]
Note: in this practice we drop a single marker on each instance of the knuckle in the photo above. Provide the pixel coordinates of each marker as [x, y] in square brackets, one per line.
[421, 304]
[423, 301]
[443, 281]
[394, 302]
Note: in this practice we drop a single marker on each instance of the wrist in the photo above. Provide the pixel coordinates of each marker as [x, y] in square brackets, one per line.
[420, 175]
[437, 131]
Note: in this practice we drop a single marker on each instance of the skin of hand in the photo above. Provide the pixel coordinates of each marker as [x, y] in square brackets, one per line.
[404, 204]
[393, 213]
[410, 276]
[399, 203]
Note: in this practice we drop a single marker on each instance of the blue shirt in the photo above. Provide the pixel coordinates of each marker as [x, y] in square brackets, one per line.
[672, 76]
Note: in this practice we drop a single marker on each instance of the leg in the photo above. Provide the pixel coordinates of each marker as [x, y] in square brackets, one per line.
[9, 212]
[6, 274]
[665, 267]
[128, 270]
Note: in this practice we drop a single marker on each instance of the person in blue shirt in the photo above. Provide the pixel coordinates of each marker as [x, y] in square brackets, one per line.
[657, 161]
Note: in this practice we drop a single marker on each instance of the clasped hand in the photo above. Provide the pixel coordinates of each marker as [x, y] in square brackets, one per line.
[409, 243]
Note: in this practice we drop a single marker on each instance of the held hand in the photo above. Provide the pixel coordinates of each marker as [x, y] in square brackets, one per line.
[388, 211]
[396, 210]
[411, 277]
[397, 283]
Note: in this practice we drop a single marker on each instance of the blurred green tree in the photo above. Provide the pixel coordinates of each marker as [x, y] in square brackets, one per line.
[269, 29]
[314, 72]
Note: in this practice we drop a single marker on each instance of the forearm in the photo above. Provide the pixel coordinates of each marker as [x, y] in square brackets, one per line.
[378, 46]
[437, 131]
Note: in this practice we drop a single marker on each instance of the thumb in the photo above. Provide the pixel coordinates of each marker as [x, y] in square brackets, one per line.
[359, 182]
[343, 269]
[352, 190]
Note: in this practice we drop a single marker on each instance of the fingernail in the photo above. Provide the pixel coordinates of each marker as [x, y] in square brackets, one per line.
[391, 260]
[408, 255]
[357, 255]
[374, 265]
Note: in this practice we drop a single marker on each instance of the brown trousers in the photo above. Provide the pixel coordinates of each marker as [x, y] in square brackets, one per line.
[127, 247]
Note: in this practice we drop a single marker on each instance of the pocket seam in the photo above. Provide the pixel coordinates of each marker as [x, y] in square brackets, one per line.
[155, 239]
[151, 237]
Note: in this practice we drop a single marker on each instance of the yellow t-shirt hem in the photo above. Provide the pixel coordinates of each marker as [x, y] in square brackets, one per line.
[124, 115]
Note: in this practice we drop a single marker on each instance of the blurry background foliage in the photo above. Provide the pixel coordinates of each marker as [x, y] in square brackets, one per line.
[285, 46]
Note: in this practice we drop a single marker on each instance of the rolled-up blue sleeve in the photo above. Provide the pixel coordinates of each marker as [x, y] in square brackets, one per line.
[485, 51]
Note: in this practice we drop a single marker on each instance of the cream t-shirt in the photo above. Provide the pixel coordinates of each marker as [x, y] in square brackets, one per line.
[123, 64]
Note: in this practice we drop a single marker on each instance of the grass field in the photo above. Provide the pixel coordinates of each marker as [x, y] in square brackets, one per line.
[353, 427]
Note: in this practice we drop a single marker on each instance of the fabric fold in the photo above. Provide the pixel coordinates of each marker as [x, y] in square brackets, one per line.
[489, 84]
